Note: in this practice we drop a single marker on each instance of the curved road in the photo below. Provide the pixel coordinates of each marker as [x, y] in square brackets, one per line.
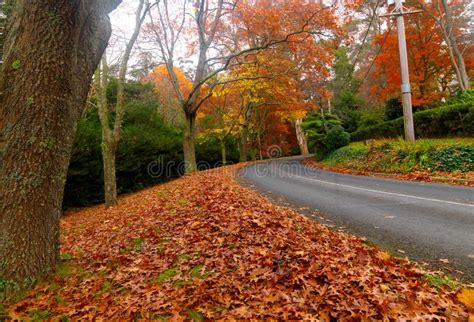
[423, 221]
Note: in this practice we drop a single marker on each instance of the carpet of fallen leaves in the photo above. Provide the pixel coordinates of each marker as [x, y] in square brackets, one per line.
[453, 178]
[203, 247]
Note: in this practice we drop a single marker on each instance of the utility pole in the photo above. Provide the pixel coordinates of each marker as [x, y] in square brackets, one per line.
[405, 87]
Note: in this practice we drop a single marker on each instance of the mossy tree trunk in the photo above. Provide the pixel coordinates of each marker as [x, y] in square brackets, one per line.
[51, 51]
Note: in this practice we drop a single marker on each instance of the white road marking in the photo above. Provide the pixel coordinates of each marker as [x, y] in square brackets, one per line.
[385, 192]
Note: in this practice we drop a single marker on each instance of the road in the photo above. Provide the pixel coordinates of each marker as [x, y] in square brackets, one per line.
[424, 221]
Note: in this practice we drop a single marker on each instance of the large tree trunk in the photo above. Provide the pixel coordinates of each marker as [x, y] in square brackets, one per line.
[189, 149]
[51, 51]
[301, 136]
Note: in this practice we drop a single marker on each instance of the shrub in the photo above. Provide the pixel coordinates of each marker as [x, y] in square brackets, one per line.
[336, 138]
[145, 139]
[371, 117]
[317, 125]
[393, 109]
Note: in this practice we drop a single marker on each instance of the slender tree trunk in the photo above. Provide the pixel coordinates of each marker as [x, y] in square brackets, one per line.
[112, 137]
[51, 51]
[110, 181]
[223, 152]
[189, 149]
[243, 143]
[452, 41]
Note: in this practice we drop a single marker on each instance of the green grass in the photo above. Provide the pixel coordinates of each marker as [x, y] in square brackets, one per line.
[63, 270]
[441, 281]
[194, 315]
[399, 156]
[166, 275]
[195, 272]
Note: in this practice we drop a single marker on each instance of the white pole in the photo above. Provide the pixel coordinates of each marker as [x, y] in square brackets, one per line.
[406, 90]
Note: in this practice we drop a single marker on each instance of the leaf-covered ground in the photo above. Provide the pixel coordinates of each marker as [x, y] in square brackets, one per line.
[203, 247]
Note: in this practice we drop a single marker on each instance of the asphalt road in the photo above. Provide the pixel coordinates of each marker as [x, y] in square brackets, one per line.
[424, 221]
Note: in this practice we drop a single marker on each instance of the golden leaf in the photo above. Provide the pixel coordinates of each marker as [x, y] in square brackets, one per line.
[466, 296]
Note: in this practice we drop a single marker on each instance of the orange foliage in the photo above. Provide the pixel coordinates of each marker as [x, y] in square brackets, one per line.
[430, 67]
[180, 250]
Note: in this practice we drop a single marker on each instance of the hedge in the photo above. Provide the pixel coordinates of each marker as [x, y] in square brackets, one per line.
[452, 120]
[150, 152]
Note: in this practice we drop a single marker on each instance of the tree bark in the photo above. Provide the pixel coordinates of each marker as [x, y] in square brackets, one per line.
[188, 144]
[301, 136]
[51, 51]
[110, 181]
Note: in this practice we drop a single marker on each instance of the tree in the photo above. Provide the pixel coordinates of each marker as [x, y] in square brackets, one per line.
[112, 136]
[221, 33]
[221, 116]
[170, 107]
[428, 60]
[442, 14]
[52, 49]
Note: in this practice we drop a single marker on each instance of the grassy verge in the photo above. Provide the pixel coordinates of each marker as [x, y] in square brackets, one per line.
[204, 248]
[428, 158]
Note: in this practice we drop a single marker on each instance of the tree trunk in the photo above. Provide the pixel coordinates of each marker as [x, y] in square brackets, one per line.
[51, 51]
[452, 42]
[189, 144]
[224, 152]
[110, 181]
[112, 137]
[301, 136]
[243, 143]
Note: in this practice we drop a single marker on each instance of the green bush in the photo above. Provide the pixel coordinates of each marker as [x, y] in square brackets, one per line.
[452, 120]
[208, 149]
[336, 138]
[393, 109]
[145, 139]
[150, 152]
[371, 117]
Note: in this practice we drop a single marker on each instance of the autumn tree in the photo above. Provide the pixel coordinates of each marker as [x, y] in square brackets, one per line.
[170, 107]
[214, 27]
[112, 136]
[221, 116]
[430, 68]
[52, 49]
[448, 17]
